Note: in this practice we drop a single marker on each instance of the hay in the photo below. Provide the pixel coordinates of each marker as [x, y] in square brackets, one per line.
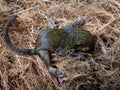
[101, 71]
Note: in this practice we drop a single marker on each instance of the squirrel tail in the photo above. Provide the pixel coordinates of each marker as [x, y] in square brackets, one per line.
[8, 42]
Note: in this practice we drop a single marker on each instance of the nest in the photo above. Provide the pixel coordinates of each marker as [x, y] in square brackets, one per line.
[99, 71]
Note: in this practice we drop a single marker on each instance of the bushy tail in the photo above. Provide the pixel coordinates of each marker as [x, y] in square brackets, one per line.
[8, 41]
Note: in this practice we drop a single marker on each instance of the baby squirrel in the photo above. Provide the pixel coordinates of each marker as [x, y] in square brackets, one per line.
[54, 40]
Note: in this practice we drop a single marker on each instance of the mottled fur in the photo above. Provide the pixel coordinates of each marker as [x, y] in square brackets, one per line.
[52, 40]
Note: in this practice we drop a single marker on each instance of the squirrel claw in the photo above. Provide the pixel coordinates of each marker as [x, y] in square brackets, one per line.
[60, 75]
[56, 73]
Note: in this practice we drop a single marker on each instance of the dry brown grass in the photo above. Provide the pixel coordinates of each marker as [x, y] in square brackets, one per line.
[99, 72]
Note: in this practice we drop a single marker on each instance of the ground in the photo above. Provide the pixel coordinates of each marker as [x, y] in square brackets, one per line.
[99, 70]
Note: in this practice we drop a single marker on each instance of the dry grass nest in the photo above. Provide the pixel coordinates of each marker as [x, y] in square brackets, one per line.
[99, 71]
